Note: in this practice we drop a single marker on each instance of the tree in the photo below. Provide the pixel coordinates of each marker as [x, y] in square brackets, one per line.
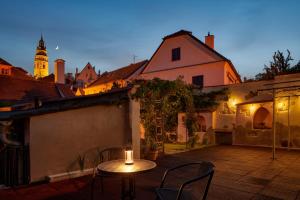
[279, 65]
[296, 68]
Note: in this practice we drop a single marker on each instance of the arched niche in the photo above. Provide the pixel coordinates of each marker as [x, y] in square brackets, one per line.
[262, 119]
[201, 123]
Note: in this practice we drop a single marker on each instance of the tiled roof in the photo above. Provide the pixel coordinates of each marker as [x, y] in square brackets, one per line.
[178, 33]
[4, 62]
[20, 90]
[18, 72]
[258, 99]
[50, 78]
[119, 74]
[59, 105]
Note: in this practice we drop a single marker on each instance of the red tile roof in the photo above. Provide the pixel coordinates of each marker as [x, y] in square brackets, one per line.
[21, 90]
[49, 78]
[18, 72]
[4, 62]
[178, 33]
[119, 74]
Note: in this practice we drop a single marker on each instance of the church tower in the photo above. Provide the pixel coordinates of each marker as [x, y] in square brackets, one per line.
[41, 60]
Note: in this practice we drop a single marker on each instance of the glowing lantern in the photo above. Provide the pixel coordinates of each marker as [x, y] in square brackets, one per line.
[280, 105]
[128, 156]
[233, 102]
[252, 108]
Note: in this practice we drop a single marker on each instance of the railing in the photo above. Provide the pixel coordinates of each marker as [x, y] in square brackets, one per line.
[14, 165]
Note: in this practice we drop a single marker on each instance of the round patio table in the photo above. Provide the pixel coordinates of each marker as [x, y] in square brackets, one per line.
[127, 172]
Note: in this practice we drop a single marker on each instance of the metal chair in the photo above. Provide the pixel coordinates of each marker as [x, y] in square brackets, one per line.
[203, 173]
[107, 154]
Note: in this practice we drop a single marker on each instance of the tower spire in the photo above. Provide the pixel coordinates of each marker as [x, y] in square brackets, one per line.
[41, 60]
[42, 43]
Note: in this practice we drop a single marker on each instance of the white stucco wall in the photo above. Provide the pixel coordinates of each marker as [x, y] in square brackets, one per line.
[57, 139]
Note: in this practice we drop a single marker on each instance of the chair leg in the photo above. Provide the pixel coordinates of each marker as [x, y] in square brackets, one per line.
[207, 186]
[92, 189]
[101, 187]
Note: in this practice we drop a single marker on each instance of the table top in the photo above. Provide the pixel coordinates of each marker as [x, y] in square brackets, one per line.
[119, 167]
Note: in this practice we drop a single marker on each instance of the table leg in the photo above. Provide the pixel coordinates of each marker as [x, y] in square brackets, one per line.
[128, 187]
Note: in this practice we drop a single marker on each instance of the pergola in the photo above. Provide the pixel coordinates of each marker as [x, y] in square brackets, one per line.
[283, 93]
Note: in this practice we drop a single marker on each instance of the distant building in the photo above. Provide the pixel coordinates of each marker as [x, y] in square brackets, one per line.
[183, 55]
[86, 76]
[20, 91]
[41, 60]
[179, 55]
[6, 69]
[118, 78]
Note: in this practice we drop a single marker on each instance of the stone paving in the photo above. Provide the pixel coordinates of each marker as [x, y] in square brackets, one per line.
[240, 173]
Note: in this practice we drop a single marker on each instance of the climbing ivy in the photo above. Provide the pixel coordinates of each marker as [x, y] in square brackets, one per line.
[168, 98]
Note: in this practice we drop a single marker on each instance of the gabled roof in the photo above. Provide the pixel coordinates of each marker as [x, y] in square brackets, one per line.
[20, 73]
[119, 74]
[189, 33]
[89, 67]
[178, 33]
[22, 90]
[16, 72]
[4, 62]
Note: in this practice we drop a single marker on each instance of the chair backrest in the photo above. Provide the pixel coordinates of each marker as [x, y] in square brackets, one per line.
[199, 185]
[113, 153]
[192, 179]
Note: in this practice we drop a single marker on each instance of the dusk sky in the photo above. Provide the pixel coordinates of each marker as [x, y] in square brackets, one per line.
[108, 33]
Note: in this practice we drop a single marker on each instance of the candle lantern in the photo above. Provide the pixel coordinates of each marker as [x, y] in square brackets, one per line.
[128, 156]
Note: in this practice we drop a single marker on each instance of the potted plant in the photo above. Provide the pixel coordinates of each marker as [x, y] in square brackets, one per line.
[152, 152]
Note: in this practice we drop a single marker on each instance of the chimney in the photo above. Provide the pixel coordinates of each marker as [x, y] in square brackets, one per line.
[210, 40]
[59, 71]
[76, 70]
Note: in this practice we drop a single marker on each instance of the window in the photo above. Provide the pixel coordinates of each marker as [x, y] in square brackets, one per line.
[175, 54]
[198, 81]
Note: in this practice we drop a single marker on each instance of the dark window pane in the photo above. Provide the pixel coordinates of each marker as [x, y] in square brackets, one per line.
[175, 54]
[198, 81]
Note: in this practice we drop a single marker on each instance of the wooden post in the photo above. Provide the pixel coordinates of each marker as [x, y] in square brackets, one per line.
[289, 128]
[134, 120]
[274, 125]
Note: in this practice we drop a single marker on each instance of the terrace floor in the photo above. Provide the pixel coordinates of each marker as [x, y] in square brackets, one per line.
[241, 173]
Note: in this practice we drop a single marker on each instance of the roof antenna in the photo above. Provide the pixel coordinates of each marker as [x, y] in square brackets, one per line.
[134, 56]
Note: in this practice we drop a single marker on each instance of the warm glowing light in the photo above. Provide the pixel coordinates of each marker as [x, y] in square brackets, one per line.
[233, 102]
[280, 105]
[252, 108]
[128, 156]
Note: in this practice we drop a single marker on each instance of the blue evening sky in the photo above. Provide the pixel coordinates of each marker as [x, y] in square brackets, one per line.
[108, 33]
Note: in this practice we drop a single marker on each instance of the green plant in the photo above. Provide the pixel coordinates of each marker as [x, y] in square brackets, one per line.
[163, 98]
[5, 104]
[168, 98]
[193, 140]
[151, 144]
